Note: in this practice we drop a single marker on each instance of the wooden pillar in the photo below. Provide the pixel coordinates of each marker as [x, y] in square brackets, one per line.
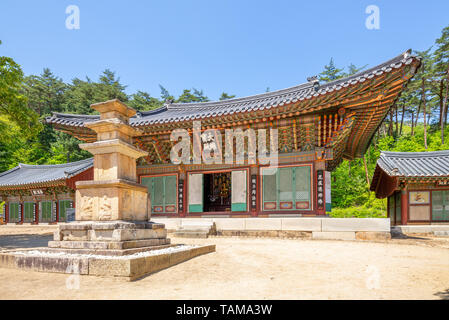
[57, 210]
[404, 206]
[6, 212]
[36, 212]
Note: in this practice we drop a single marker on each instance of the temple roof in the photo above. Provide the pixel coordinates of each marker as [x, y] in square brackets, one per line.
[341, 115]
[415, 164]
[173, 112]
[392, 168]
[25, 174]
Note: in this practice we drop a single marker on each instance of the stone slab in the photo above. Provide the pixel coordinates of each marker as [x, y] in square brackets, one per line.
[339, 235]
[105, 245]
[170, 223]
[130, 268]
[262, 224]
[53, 264]
[109, 252]
[301, 224]
[229, 224]
[372, 235]
[429, 228]
[197, 222]
[355, 224]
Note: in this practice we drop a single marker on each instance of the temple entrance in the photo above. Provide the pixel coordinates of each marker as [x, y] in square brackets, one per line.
[224, 191]
[217, 192]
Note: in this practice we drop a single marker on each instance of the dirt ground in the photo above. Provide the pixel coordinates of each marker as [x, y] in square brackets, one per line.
[254, 268]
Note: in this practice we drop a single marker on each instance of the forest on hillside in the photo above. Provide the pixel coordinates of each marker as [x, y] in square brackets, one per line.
[417, 122]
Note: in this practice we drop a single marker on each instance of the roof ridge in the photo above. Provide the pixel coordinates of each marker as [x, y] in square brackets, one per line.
[303, 85]
[60, 165]
[411, 154]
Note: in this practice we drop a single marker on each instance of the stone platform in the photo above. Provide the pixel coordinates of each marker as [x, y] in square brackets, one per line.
[128, 267]
[305, 228]
[128, 249]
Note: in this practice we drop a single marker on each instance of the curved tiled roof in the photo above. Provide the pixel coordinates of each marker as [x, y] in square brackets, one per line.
[190, 111]
[25, 174]
[415, 164]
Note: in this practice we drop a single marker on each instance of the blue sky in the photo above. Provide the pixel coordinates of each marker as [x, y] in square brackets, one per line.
[241, 47]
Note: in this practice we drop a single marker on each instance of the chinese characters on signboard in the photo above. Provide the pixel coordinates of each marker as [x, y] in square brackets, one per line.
[320, 189]
[253, 191]
[181, 196]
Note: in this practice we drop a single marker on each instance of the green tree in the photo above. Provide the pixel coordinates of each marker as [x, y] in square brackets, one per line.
[45, 92]
[330, 72]
[81, 94]
[187, 96]
[225, 96]
[165, 95]
[13, 103]
[142, 101]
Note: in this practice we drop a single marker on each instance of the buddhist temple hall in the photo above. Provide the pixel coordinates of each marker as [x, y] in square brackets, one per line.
[416, 185]
[307, 130]
[41, 193]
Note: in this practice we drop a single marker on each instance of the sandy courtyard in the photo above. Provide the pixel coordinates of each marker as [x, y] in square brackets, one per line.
[255, 268]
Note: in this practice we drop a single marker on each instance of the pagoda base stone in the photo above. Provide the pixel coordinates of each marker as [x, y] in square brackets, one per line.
[127, 267]
[128, 249]
[117, 199]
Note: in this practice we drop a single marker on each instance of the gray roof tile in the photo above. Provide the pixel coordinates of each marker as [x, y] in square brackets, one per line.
[25, 174]
[415, 164]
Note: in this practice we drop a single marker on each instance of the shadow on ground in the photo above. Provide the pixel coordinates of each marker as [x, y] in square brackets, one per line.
[24, 241]
[443, 295]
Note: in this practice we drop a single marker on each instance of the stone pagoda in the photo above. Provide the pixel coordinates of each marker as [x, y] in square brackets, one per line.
[113, 210]
[112, 234]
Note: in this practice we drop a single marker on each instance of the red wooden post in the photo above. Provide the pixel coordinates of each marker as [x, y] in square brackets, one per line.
[6, 212]
[36, 210]
[57, 210]
[404, 206]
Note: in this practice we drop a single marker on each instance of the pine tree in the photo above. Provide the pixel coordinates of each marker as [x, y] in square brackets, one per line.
[225, 96]
[330, 72]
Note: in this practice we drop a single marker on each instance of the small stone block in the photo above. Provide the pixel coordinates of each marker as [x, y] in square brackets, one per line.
[179, 256]
[366, 235]
[109, 267]
[338, 235]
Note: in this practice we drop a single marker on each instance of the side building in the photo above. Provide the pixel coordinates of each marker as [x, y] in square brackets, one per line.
[41, 193]
[416, 184]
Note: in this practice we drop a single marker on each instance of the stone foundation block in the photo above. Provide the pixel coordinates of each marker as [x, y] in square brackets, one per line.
[366, 235]
[180, 256]
[301, 224]
[156, 263]
[356, 224]
[229, 224]
[342, 235]
[53, 264]
[108, 267]
[262, 224]
[74, 235]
